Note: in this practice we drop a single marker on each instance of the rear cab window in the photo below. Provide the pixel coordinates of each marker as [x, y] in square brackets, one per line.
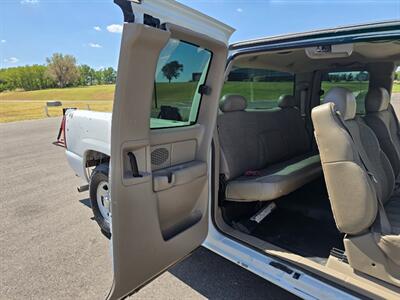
[181, 70]
[261, 87]
[395, 97]
[355, 81]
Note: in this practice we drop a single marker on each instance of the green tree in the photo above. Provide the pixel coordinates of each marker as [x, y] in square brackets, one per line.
[99, 76]
[349, 77]
[62, 69]
[343, 77]
[26, 78]
[86, 75]
[172, 69]
[109, 75]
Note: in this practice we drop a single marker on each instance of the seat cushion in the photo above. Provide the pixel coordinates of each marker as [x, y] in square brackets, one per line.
[276, 180]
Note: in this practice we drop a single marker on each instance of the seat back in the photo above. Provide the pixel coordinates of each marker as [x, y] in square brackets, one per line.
[381, 119]
[252, 139]
[340, 135]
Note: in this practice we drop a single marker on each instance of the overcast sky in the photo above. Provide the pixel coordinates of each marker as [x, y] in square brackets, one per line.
[31, 30]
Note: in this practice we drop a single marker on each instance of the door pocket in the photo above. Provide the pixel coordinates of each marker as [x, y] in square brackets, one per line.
[177, 208]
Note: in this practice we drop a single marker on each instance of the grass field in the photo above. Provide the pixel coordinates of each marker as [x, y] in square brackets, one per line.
[15, 106]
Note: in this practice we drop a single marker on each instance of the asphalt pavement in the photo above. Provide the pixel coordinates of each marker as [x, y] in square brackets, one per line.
[51, 248]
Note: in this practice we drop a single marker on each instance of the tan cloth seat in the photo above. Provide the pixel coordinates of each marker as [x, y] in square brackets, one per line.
[356, 183]
[272, 145]
[276, 180]
[381, 119]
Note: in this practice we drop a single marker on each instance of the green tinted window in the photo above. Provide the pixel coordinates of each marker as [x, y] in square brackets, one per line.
[182, 68]
[356, 81]
[262, 88]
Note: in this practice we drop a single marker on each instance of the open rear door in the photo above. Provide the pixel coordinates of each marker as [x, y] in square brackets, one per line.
[170, 73]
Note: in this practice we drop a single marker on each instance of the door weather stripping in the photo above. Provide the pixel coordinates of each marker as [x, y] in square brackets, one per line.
[127, 11]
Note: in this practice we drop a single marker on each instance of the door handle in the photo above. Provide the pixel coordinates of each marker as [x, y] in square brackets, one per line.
[163, 182]
[134, 165]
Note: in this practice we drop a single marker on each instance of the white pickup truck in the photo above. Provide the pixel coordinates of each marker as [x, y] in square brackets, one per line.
[213, 145]
[87, 137]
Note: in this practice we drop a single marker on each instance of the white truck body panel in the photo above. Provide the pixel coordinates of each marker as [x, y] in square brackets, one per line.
[86, 131]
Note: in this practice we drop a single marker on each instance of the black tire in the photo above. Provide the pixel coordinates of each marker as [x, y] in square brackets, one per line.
[99, 174]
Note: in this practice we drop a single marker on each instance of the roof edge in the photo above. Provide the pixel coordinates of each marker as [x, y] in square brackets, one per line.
[392, 25]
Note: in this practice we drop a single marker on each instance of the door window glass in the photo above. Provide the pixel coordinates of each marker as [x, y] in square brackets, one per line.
[181, 70]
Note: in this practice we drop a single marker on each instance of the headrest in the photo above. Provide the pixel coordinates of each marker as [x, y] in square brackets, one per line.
[233, 103]
[344, 101]
[286, 101]
[377, 99]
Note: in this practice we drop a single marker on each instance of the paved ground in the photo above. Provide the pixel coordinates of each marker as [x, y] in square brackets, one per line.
[52, 249]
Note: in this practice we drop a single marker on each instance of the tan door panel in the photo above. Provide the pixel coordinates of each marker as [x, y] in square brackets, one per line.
[183, 151]
[159, 208]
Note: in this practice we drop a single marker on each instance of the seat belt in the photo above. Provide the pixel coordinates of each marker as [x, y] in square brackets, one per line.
[303, 96]
[383, 219]
[391, 109]
[306, 118]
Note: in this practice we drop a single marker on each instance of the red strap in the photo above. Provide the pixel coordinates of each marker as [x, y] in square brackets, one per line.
[252, 173]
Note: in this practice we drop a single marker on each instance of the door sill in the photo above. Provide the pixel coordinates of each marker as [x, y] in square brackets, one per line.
[336, 271]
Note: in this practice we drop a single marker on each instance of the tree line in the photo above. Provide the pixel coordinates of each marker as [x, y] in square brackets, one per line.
[60, 71]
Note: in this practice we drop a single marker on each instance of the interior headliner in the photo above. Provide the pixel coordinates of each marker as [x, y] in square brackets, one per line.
[296, 60]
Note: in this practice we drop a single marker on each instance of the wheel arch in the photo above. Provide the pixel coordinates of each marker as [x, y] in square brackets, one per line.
[93, 158]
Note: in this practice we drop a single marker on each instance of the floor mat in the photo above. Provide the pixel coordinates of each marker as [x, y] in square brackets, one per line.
[300, 234]
[311, 200]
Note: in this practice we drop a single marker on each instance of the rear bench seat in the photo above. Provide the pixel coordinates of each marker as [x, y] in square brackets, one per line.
[264, 154]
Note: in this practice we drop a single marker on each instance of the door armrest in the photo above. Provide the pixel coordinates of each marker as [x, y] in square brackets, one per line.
[178, 175]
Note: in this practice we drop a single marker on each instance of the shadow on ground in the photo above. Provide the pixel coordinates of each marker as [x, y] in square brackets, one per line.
[216, 278]
[86, 202]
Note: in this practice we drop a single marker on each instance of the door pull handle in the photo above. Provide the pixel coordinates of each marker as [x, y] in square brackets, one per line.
[134, 165]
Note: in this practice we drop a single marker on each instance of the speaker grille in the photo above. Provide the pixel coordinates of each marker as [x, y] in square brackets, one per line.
[159, 156]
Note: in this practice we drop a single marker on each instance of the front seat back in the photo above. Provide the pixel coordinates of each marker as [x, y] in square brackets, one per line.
[381, 118]
[340, 137]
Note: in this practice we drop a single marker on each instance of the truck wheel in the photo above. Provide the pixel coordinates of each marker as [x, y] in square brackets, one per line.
[99, 193]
